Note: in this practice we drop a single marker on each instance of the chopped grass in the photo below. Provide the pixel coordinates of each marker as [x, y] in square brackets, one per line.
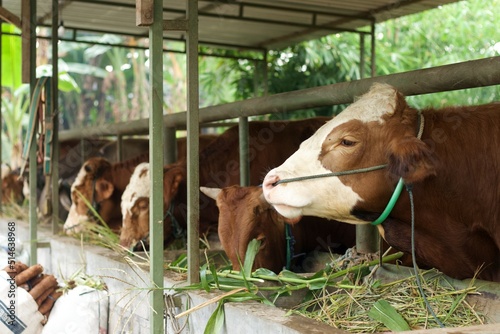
[348, 309]
[14, 210]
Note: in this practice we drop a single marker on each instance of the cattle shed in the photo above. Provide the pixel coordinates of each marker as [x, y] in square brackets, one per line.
[241, 25]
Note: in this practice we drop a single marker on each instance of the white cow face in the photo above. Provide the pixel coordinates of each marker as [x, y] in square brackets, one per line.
[135, 207]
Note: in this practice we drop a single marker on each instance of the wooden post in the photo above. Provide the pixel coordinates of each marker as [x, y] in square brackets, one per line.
[144, 12]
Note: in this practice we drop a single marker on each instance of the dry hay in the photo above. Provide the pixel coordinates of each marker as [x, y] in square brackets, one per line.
[347, 308]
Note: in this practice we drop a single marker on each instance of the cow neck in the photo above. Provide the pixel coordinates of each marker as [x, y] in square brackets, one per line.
[399, 187]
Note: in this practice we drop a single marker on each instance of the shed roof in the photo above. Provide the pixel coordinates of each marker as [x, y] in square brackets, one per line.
[261, 24]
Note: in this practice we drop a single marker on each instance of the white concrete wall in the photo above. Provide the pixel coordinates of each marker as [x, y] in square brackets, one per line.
[127, 286]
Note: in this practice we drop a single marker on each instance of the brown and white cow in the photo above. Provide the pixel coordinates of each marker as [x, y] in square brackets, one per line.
[454, 169]
[135, 198]
[270, 143]
[245, 215]
[135, 204]
[101, 184]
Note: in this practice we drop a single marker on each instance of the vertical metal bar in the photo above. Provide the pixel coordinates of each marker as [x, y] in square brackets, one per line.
[156, 169]
[83, 148]
[119, 148]
[244, 152]
[170, 145]
[30, 15]
[367, 236]
[55, 117]
[1, 120]
[193, 131]
[361, 56]
[373, 72]
[265, 79]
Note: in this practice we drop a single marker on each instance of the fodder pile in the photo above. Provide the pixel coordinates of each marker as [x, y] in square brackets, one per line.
[375, 307]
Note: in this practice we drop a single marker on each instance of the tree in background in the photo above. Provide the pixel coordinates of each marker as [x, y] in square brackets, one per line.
[445, 35]
[15, 94]
[453, 33]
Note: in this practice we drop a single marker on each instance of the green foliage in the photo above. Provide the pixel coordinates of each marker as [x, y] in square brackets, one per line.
[453, 33]
[11, 58]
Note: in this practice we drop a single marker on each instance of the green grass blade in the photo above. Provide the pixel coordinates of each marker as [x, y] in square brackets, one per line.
[216, 321]
[383, 311]
[252, 250]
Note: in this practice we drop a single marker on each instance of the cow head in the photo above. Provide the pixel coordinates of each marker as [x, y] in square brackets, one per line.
[12, 188]
[135, 202]
[135, 207]
[245, 215]
[93, 185]
[379, 128]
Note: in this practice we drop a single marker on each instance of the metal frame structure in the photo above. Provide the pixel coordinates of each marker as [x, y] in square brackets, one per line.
[478, 73]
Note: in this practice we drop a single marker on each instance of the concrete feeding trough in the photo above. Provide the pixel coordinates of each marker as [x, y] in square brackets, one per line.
[129, 283]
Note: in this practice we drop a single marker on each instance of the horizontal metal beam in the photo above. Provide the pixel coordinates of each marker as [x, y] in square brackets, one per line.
[470, 74]
[10, 17]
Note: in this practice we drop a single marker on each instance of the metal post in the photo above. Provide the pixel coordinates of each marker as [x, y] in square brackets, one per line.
[156, 169]
[170, 145]
[361, 56]
[1, 121]
[193, 133]
[244, 152]
[55, 117]
[119, 148]
[373, 72]
[367, 236]
[29, 15]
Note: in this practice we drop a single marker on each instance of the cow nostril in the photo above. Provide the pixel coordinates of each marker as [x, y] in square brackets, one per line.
[271, 181]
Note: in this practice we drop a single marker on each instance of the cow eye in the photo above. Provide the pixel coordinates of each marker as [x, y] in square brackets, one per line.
[347, 142]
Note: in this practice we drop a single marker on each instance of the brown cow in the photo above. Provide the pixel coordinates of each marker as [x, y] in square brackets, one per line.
[101, 184]
[454, 168]
[12, 187]
[244, 215]
[269, 145]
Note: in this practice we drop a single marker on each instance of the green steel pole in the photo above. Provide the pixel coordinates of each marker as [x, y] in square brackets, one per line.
[244, 152]
[55, 117]
[32, 153]
[156, 169]
[367, 236]
[170, 145]
[1, 121]
[193, 131]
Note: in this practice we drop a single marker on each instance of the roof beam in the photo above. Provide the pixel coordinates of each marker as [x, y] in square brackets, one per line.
[10, 17]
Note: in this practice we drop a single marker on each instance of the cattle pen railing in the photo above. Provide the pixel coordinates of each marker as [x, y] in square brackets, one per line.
[469, 74]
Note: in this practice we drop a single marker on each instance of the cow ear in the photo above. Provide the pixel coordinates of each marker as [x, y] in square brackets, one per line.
[411, 159]
[104, 189]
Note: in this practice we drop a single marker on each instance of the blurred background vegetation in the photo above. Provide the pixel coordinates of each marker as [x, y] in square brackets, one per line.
[100, 83]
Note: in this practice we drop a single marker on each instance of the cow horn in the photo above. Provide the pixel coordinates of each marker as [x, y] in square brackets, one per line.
[211, 192]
